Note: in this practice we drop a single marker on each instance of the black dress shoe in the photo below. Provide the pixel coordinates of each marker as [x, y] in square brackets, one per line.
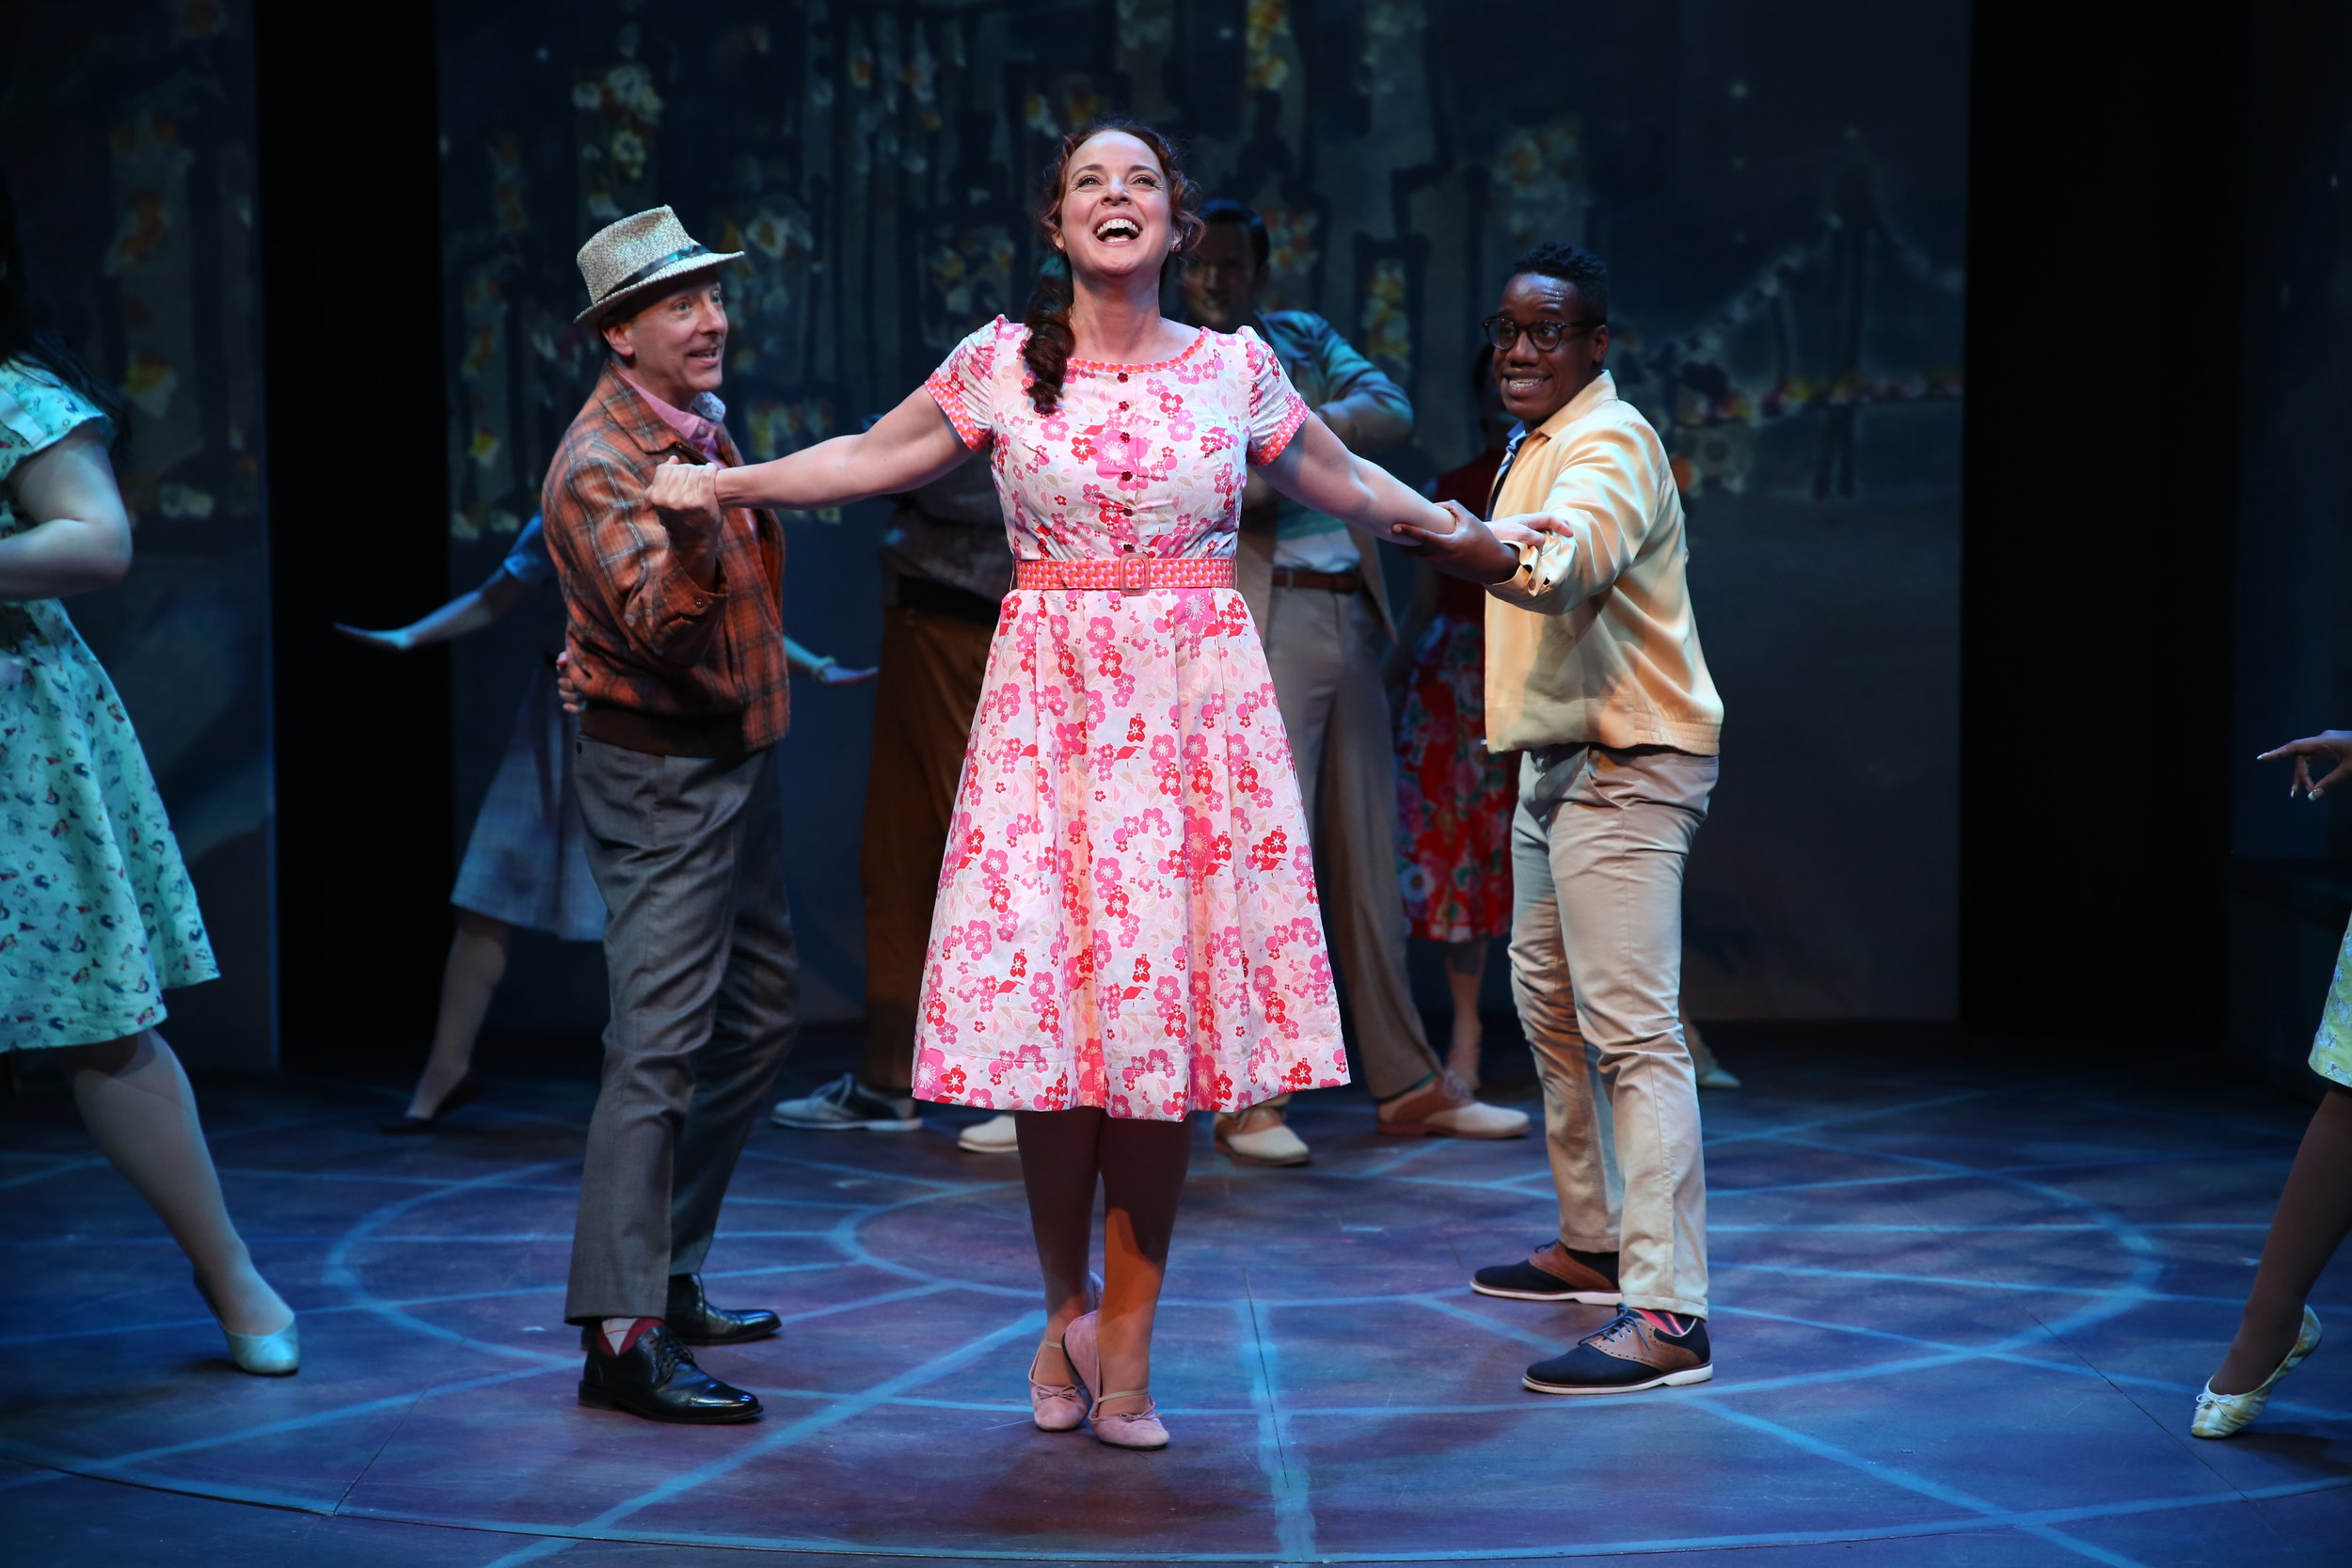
[694, 1320]
[656, 1378]
[464, 1092]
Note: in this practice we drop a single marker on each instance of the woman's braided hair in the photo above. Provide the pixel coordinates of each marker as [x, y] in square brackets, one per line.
[1047, 352]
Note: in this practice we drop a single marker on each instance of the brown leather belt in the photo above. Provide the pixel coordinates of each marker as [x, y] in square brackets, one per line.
[1349, 581]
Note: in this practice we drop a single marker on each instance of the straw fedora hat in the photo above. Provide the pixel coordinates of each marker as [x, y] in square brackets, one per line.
[633, 255]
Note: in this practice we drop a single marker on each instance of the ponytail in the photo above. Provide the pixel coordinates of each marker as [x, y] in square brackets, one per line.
[1047, 352]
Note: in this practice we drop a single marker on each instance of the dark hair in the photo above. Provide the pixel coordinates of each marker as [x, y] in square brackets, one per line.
[29, 324]
[1047, 352]
[1226, 210]
[1569, 263]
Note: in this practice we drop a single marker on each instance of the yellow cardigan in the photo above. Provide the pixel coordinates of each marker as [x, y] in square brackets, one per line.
[1594, 640]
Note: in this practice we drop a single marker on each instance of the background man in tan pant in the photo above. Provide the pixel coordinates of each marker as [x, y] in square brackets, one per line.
[1594, 670]
[946, 571]
[1321, 605]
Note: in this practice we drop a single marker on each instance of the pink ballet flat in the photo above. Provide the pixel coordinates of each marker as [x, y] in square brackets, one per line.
[1142, 1429]
[1054, 1406]
[1060, 1406]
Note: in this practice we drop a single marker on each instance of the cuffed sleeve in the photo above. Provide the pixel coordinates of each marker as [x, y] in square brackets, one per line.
[965, 386]
[38, 410]
[1276, 409]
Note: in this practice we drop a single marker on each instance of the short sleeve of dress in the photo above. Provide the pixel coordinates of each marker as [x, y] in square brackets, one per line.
[37, 411]
[1276, 409]
[966, 385]
[528, 562]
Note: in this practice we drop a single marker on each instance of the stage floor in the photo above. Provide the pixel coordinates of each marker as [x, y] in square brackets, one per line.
[1960, 1313]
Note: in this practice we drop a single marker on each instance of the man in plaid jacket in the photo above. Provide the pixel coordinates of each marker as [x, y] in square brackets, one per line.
[677, 649]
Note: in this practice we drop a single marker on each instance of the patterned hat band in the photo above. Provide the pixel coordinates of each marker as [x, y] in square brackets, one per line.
[651, 267]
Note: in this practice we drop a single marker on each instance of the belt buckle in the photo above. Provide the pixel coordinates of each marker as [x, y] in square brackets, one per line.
[1133, 575]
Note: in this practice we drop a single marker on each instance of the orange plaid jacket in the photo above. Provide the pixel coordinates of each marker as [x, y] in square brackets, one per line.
[664, 665]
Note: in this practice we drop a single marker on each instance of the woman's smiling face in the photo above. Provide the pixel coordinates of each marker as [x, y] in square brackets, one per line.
[1115, 217]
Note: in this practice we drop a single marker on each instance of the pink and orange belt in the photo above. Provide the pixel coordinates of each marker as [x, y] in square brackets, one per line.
[1127, 573]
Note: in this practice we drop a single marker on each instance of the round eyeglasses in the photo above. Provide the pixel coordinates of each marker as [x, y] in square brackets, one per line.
[1503, 332]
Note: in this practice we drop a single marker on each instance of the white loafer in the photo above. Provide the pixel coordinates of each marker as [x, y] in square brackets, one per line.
[2226, 1415]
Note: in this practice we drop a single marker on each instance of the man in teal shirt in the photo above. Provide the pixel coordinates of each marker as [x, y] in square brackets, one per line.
[1321, 607]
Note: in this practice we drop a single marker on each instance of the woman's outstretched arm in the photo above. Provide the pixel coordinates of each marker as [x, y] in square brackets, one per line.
[1316, 471]
[464, 615]
[909, 446]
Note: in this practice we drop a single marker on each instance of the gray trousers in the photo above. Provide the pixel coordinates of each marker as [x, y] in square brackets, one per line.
[1324, 650]
[1597, 849]
[705, 1000]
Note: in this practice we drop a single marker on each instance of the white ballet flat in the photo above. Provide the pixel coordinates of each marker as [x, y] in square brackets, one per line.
[277, 1354]
[2226, 1415]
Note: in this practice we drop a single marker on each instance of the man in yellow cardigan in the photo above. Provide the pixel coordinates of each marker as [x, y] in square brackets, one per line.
[1593, 672]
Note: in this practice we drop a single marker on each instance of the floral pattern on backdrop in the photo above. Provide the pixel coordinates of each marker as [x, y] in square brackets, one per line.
[1781, 199]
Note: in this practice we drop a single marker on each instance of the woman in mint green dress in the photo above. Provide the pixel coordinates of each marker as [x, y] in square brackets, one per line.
[2277, 1329]
[97, 916]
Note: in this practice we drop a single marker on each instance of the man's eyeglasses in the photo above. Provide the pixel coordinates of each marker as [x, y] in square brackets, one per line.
[1503, 332]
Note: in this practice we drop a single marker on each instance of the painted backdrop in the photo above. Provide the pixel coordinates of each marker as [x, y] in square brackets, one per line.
[126, 127]
[1778, 190]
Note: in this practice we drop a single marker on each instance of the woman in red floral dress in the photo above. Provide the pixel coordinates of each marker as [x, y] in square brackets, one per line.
[1127, 928]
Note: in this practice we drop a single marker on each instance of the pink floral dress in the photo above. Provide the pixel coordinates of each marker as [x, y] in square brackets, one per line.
[1127, 914]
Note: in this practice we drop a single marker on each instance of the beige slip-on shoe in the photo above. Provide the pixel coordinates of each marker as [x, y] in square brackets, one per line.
[998, 1134]
[1260, 1137]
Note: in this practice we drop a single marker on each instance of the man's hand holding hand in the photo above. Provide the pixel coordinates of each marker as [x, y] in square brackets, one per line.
[1450, 537]
[1530, 527]
[686, 498]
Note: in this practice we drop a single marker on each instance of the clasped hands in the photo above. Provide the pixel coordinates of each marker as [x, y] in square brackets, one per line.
[686, 494]
[1452, 538]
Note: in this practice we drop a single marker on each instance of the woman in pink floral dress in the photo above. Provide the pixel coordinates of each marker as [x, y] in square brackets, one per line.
[1127, 928]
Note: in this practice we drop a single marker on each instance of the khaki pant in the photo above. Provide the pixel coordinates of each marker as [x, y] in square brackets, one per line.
[1324, 650]
[930, 686]
[1597, 849]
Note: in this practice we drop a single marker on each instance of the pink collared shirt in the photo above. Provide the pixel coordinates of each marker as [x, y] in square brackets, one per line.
[701, 431]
